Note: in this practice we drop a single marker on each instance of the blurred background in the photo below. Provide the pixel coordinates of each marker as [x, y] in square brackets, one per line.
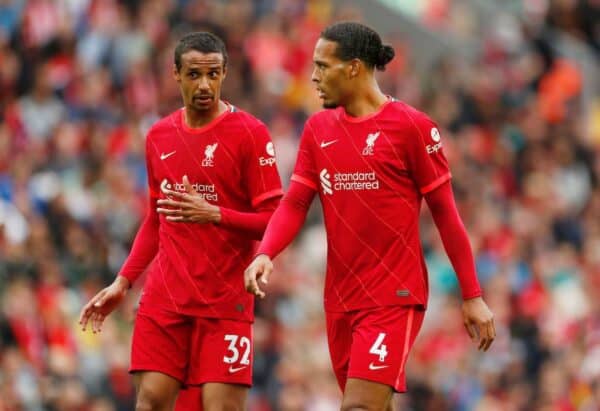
[514, 87]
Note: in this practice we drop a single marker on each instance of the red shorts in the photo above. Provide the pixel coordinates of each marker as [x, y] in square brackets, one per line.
[193, 350]
[373, 344]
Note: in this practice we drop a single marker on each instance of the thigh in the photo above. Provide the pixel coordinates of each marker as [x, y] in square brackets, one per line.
[220, 396]
[161, 343]
[381, 341]
[339, 338]
[222, 352]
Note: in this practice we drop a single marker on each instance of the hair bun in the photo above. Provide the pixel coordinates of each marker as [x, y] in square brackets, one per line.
[386, 54]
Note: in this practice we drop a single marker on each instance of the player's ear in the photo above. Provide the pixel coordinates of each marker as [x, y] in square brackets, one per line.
[176, 74]
[354, 68]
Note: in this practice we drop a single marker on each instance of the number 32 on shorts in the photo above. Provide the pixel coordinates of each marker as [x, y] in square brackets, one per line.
[237, 345]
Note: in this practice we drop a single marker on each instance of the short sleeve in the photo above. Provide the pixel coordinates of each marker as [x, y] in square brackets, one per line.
[261, 175]
[305, 171]
[427, 162]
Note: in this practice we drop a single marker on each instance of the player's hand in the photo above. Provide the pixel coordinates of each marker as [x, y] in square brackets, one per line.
[479, 322]
[102, 304]
[260, 268]
[187, 207]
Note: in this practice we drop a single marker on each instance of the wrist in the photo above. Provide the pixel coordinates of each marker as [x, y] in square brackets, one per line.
[216, 215]
[122, 282]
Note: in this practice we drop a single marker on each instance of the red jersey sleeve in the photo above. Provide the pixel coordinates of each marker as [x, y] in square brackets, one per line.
[305, 171]
[426, 160]
[261, 175]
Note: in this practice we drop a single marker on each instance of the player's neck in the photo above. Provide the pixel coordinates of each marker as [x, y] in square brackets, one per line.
[197, 119]
[365, 102]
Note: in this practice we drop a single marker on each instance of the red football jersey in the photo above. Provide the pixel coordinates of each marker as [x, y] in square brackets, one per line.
[371, 174]
[198, 269]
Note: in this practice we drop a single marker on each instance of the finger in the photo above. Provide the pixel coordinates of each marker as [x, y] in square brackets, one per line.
[491, 335]
[484, 336]
[99, 321]
[170, 212]
[264, 278]
[176, 194]
[172, 203]
[101, 300]
[84, 317]
[178, 219]
[252, 284]
[470, 330]
[188, 186]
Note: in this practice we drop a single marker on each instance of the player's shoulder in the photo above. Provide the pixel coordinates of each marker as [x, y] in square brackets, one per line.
[164, 125]
[244, 118]
[409, 114]
[324, 115]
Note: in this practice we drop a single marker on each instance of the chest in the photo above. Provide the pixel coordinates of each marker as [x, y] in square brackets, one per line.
[206, 159]
[348, 148]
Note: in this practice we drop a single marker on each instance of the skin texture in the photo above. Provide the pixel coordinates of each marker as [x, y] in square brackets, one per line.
[200, 79]
[352, 85]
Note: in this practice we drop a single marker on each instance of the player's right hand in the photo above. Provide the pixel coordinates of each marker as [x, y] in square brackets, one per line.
[102, 304]
[260, 268]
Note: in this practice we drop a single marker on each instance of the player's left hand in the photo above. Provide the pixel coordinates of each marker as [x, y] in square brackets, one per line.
[479, 322]
[187, 207]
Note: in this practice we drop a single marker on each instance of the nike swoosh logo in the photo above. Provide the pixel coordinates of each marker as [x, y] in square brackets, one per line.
[327, 143]
[164, 156]
[377, 367]
[232, 369]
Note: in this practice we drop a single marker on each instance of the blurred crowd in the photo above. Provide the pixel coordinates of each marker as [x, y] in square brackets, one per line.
[82, 80]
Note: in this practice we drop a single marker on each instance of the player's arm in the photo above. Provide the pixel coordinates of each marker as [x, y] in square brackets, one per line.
[478, 318]
[191, 207]
[283, 227]
[143, 250]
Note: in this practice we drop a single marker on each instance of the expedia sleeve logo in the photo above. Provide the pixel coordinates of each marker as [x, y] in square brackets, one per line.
[435, 136]
[268, 161]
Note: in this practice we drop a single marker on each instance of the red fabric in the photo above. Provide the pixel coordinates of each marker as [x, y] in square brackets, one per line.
[287, 219]
[231, 162]
[144, 246]
[455, 238]
[374, 344]
[372, 173]
[253, 224]
[192, 350]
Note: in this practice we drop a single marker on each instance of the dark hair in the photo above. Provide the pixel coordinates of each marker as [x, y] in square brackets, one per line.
[201, 41]
[355, 40]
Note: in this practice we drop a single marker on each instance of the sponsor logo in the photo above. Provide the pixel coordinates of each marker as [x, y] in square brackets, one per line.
[164, 156]
[371, 139]
[435, 136]
[325, 182]
[377, 367]
[268, 161]
[209, 155]
[348, 181]
[206, 191]
[233, 369]
[270, 149]
[327, 143]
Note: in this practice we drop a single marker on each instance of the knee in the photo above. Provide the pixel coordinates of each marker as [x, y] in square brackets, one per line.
[224, 405]
[150, 400]
[360, 406]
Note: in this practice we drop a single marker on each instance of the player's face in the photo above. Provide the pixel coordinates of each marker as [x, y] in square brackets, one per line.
[330, 74]
[200, 78]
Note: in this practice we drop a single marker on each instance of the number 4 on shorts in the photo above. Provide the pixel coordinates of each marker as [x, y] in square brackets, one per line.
[379, 348]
